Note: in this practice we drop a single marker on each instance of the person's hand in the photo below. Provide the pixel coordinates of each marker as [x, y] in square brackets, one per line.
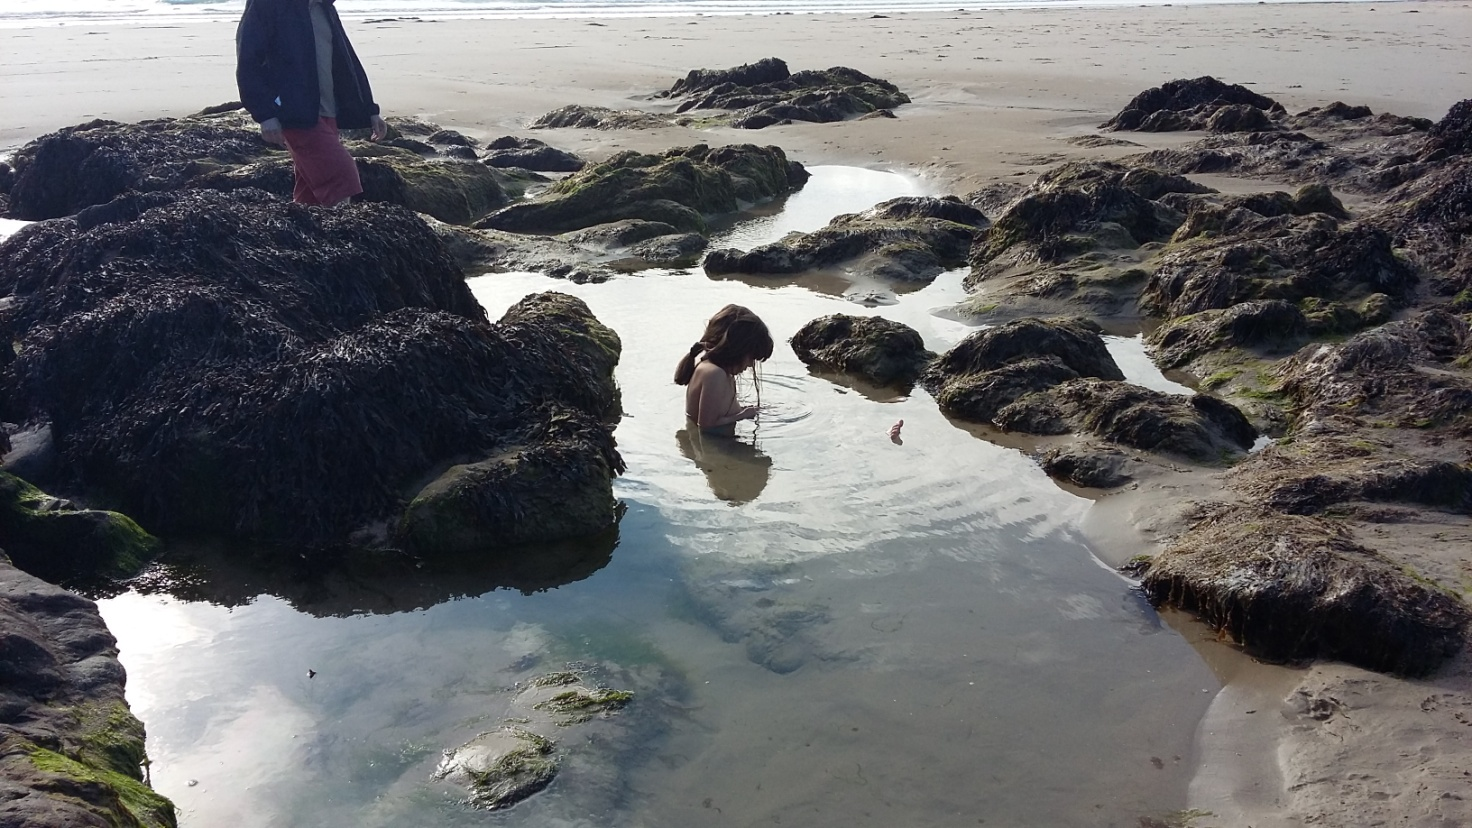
[747, 413]
[380, 128]
[271, 132]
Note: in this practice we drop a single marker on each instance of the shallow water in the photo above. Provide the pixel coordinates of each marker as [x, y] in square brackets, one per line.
[821, 626]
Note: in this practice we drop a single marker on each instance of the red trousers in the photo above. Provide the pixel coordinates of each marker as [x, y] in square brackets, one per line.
[325, 173]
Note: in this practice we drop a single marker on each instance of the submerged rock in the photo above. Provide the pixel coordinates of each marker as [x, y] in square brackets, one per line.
[907, 239]
[680, 188]
[287, 372]
[765, 93]
[72, 750]
[876, 349]
[501, 767]
[1289, 588]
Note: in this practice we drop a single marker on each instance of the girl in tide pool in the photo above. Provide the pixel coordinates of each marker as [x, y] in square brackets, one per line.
[735, 339]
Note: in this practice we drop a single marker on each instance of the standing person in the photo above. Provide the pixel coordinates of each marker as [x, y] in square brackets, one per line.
[301, 81]
[735, 339]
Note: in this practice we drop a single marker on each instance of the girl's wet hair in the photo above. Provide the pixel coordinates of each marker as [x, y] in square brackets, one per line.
[732, 336]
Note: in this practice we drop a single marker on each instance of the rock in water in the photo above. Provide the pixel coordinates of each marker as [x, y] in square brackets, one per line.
[501, 767]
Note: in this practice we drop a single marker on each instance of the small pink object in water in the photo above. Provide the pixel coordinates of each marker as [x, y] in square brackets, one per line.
[894, 433]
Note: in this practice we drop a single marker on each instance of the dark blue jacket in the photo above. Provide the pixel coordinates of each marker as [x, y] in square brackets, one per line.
[276, 67]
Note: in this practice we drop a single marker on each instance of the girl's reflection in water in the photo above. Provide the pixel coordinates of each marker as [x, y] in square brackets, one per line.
[736, 471]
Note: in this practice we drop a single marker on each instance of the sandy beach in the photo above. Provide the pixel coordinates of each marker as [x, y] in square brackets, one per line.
[996, 96]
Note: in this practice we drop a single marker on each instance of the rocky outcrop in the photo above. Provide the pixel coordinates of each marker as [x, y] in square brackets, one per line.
[1308, 258]
[1199, 427]
[991, 368]
[287, 373]
[680, 188]
[875, 349]
[910, 239]
[70, 749]
[1430, 220]
[765, 93]
[1199, 103]
[1075, 240]
[1289, 588]
[530, 154]
[454, 191]
[92, 163]
[575, 116]
[1409, 373]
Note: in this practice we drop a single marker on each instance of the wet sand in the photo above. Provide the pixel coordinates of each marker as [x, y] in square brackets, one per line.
[996, 96]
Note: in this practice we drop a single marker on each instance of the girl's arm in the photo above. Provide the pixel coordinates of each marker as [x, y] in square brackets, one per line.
[715, 399]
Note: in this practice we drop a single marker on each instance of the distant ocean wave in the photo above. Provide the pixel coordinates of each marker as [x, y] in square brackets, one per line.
[60, 12]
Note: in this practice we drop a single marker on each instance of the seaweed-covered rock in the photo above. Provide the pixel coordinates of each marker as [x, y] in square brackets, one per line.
[1311, 257]
[1403, 373]
[1316, 471]
[53, 539]
[879, 350]
[1189, 103]
[1197, 427]
[1289, 588]
[219, 362]
[908, 239]
[576, 116]
[530, 154]
[1076, 343]
[766, 70]
[555, 487]
[672, 250]
[765, 93]
[977, 397]
[70, 749]
[1269, 325]
[1430, 218]
[680, 188]
[92, 163]
[1088, 467]
[991, 368]
[1056, 219]
[1452, 135]
[455, 191]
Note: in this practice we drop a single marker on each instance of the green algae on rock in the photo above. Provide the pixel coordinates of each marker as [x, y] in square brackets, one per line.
[909, 239]
[70, 749]
[501, 767]
[680, 187]
[53, 539]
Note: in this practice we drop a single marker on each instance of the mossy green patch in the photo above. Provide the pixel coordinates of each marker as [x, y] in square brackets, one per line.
[580, 704]
[53, 539]
[147, 807]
